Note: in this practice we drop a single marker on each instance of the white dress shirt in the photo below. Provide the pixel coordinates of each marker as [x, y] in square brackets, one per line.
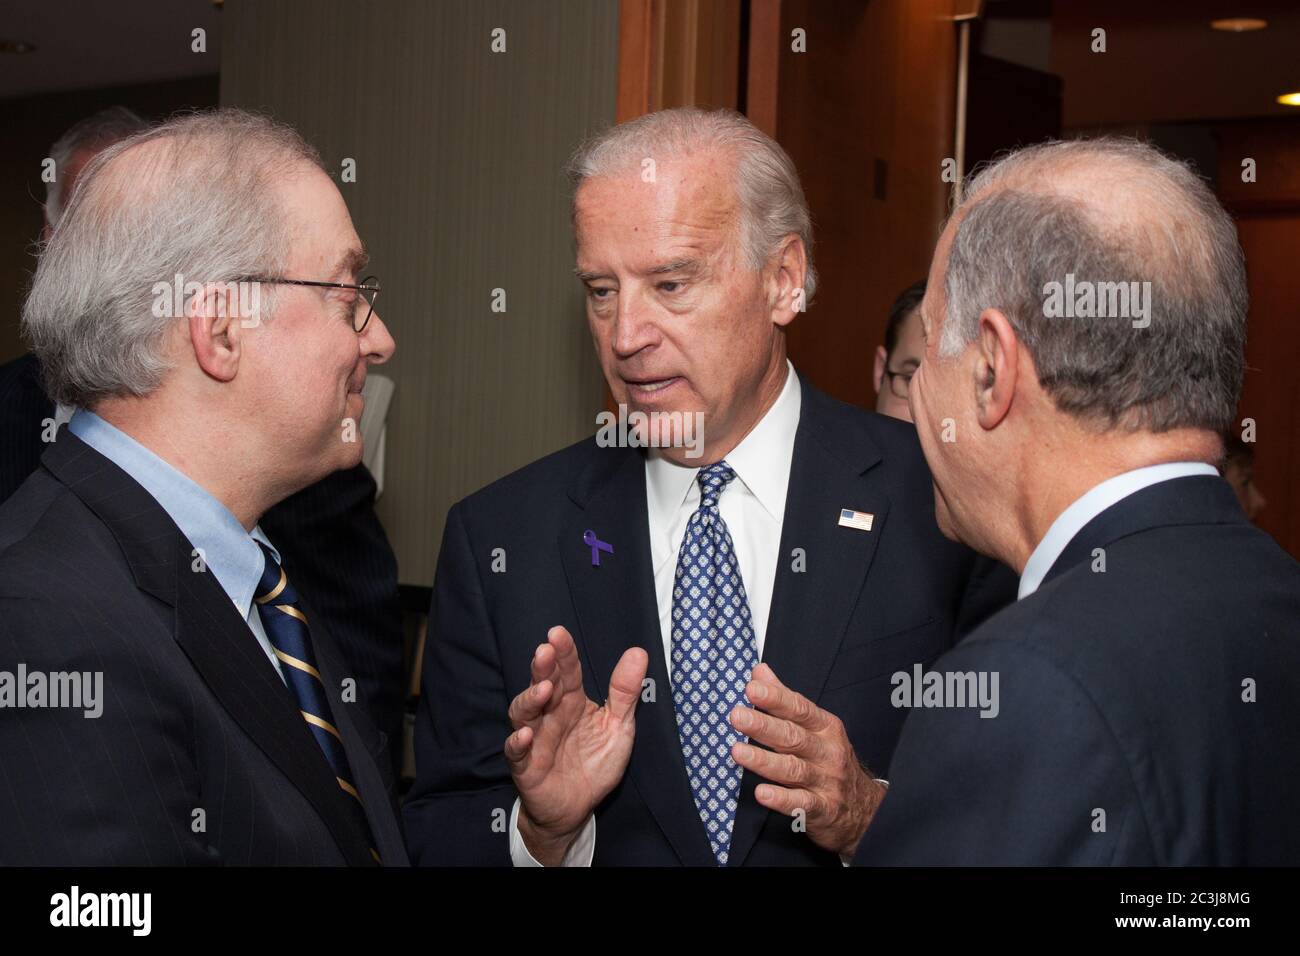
[1072, 520]
[753, 507]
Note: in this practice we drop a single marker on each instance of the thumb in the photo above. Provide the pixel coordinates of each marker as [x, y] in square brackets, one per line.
[625, 683]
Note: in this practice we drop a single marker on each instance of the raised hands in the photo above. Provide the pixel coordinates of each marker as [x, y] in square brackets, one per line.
[567, 753]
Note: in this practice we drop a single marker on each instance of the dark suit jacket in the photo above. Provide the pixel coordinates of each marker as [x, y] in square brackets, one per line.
[1121, 692]
[95, 576]
[868, 604]
[328, 535]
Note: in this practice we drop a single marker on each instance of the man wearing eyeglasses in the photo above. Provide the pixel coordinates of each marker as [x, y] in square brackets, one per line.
[328, 534]
[172, 697]
[899, 357]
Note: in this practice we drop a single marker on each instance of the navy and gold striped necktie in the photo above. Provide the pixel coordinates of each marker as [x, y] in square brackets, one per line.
[286, 628]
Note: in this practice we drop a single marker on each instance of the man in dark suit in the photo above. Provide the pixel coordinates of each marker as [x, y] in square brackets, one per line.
[328, 533]
[1143, 702]
[791, 529]
[171, 697]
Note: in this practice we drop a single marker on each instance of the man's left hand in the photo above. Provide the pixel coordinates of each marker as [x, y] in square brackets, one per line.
[812, 764]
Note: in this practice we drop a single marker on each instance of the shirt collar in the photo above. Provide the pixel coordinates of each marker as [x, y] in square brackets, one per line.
[761, 461]
[1072, 520]
[228, 551]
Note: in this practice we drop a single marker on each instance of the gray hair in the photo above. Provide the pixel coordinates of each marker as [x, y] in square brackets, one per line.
[198, 202]
[98, 130]
[1036, 216]
[771, 200]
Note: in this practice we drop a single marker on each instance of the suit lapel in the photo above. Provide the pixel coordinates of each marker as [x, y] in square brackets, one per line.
[616, 609]
[811, 609]
[208, 629]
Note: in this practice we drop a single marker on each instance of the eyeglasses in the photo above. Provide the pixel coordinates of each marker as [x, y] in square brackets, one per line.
[368, 289]
[900, 382]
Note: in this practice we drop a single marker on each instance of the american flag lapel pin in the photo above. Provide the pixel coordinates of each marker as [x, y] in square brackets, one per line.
[856, 519]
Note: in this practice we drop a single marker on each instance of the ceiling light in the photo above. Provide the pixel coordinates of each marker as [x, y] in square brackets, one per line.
[1239, 24]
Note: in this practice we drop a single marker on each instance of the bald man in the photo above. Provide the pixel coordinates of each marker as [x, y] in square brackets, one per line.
[1139, 703]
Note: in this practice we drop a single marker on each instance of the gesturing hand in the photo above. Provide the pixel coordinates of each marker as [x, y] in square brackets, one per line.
[814, 763]
[567, 753]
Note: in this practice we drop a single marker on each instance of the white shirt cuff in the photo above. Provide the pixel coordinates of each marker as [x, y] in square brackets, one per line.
[580, 852]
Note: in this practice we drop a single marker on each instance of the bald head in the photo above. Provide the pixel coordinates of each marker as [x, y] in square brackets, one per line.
[1121, 274]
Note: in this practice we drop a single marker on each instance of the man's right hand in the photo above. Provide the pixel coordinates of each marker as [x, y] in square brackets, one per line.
[566, 753]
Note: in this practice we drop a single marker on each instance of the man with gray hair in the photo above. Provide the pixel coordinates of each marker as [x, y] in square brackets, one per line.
[328, 534]
[1084, 324]
[199, 306]
[743, 516]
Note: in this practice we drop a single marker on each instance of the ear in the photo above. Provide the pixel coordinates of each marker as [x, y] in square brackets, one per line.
[215, 330]
[785, 287]
[878, 374]
[996, 368]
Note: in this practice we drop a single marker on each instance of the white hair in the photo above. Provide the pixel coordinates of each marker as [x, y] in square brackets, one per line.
[771, 200]
[197, 201]
[97, 131]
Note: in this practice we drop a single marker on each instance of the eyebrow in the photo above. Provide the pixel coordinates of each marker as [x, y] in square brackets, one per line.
[352, 262]
[687, 265]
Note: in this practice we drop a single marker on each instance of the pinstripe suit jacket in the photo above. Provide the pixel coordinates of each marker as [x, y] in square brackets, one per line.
[199, 754]
[328, 536]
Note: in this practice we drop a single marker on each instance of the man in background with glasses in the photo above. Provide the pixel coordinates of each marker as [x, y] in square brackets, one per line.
[174, 698]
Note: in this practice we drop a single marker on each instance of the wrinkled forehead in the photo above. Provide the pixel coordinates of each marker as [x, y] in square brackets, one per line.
[691, 199]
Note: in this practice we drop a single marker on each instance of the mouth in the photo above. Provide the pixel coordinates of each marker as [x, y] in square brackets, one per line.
[651, 389]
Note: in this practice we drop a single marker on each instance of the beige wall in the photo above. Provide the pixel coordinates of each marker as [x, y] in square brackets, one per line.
[459, 154]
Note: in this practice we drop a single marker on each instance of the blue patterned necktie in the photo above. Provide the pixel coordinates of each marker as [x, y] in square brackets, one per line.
[286, 628]
[713, 655]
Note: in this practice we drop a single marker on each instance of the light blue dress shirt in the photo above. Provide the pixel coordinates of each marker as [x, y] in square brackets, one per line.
[228, 551]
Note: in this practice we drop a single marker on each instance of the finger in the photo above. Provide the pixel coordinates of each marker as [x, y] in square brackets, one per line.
[781, 735]
[767, 692]
[529, 704]
[542, 666]
[517, 749]
[785, 769]
[788, 800]
[566, 659]
[625, 683]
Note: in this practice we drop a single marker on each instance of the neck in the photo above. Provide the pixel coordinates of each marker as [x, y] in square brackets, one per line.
[1045, 488]
[208, 451]
[768, 391]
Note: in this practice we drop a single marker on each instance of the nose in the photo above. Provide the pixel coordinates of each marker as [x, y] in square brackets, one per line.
[634, 329]
[376, 343]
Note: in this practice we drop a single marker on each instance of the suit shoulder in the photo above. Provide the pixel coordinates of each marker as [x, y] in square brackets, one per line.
[895, 438]
[46, 532]
[535, 484]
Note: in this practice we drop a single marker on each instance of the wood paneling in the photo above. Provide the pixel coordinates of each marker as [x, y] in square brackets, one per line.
[1268, 222]
[872, 97]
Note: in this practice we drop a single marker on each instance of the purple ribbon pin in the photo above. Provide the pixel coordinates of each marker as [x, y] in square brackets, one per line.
[597, 546]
